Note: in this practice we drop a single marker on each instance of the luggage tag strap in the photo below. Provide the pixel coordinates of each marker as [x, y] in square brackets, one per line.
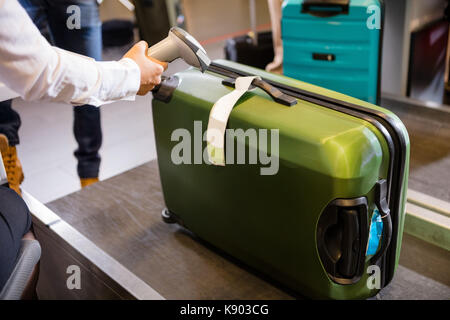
[218, 118]
[276, 94]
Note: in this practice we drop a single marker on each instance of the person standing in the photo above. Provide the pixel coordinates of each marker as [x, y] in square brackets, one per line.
[37, 71]
[58, 22]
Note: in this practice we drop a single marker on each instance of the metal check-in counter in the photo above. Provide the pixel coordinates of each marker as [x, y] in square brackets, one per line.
[114, 232]
[101, 276]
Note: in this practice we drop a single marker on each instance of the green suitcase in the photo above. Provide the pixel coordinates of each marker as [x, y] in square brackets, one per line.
[341, 163]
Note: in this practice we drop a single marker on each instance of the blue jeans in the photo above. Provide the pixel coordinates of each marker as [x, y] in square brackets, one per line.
[51, 17]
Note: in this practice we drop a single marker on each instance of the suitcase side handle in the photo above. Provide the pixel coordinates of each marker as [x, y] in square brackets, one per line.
[350, 243]
[325, 8]
[342, 236]
[276, 94]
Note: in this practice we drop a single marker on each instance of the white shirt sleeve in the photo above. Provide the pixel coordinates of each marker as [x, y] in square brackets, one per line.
[34, 69]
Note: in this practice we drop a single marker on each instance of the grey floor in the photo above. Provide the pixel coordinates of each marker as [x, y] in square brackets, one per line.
[47, 142]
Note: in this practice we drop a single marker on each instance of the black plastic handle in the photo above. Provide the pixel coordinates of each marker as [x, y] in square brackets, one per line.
[342, 234]
[383, 207]
[276, 94]
[350, 243]
[324, 56]
[158, 86]
[325, 8]
[165, 89]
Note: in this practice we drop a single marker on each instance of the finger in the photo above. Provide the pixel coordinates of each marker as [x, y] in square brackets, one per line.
[155, 80]
[142, 46]
[152, 81]
[161, 63]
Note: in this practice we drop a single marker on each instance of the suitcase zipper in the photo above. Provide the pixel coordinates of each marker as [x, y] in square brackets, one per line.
[392, 134]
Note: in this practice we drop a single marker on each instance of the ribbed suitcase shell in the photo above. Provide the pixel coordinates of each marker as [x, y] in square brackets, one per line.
[270, 222]
[355, 47]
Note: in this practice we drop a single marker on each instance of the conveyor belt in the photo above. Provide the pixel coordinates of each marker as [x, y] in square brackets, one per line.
[429, 132]
[122, 216]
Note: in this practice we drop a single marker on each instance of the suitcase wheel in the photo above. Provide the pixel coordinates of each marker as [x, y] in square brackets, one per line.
[167, 216]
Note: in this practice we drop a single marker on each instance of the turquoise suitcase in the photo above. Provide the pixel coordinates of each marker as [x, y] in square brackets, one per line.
[335, 44]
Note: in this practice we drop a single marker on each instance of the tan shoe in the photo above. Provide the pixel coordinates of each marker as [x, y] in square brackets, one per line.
[87, 181]
[12, 164]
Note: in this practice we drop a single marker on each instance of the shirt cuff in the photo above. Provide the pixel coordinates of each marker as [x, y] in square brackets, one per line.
[119, 80]
[134, 77]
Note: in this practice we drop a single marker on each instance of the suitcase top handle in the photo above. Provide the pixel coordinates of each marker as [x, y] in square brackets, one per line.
[221, 111]
[325, 8]
[276, 94]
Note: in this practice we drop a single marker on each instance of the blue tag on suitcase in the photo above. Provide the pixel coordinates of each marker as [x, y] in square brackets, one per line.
[334, 44]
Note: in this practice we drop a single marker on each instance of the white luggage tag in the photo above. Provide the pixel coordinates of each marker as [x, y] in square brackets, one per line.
[218, 118]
